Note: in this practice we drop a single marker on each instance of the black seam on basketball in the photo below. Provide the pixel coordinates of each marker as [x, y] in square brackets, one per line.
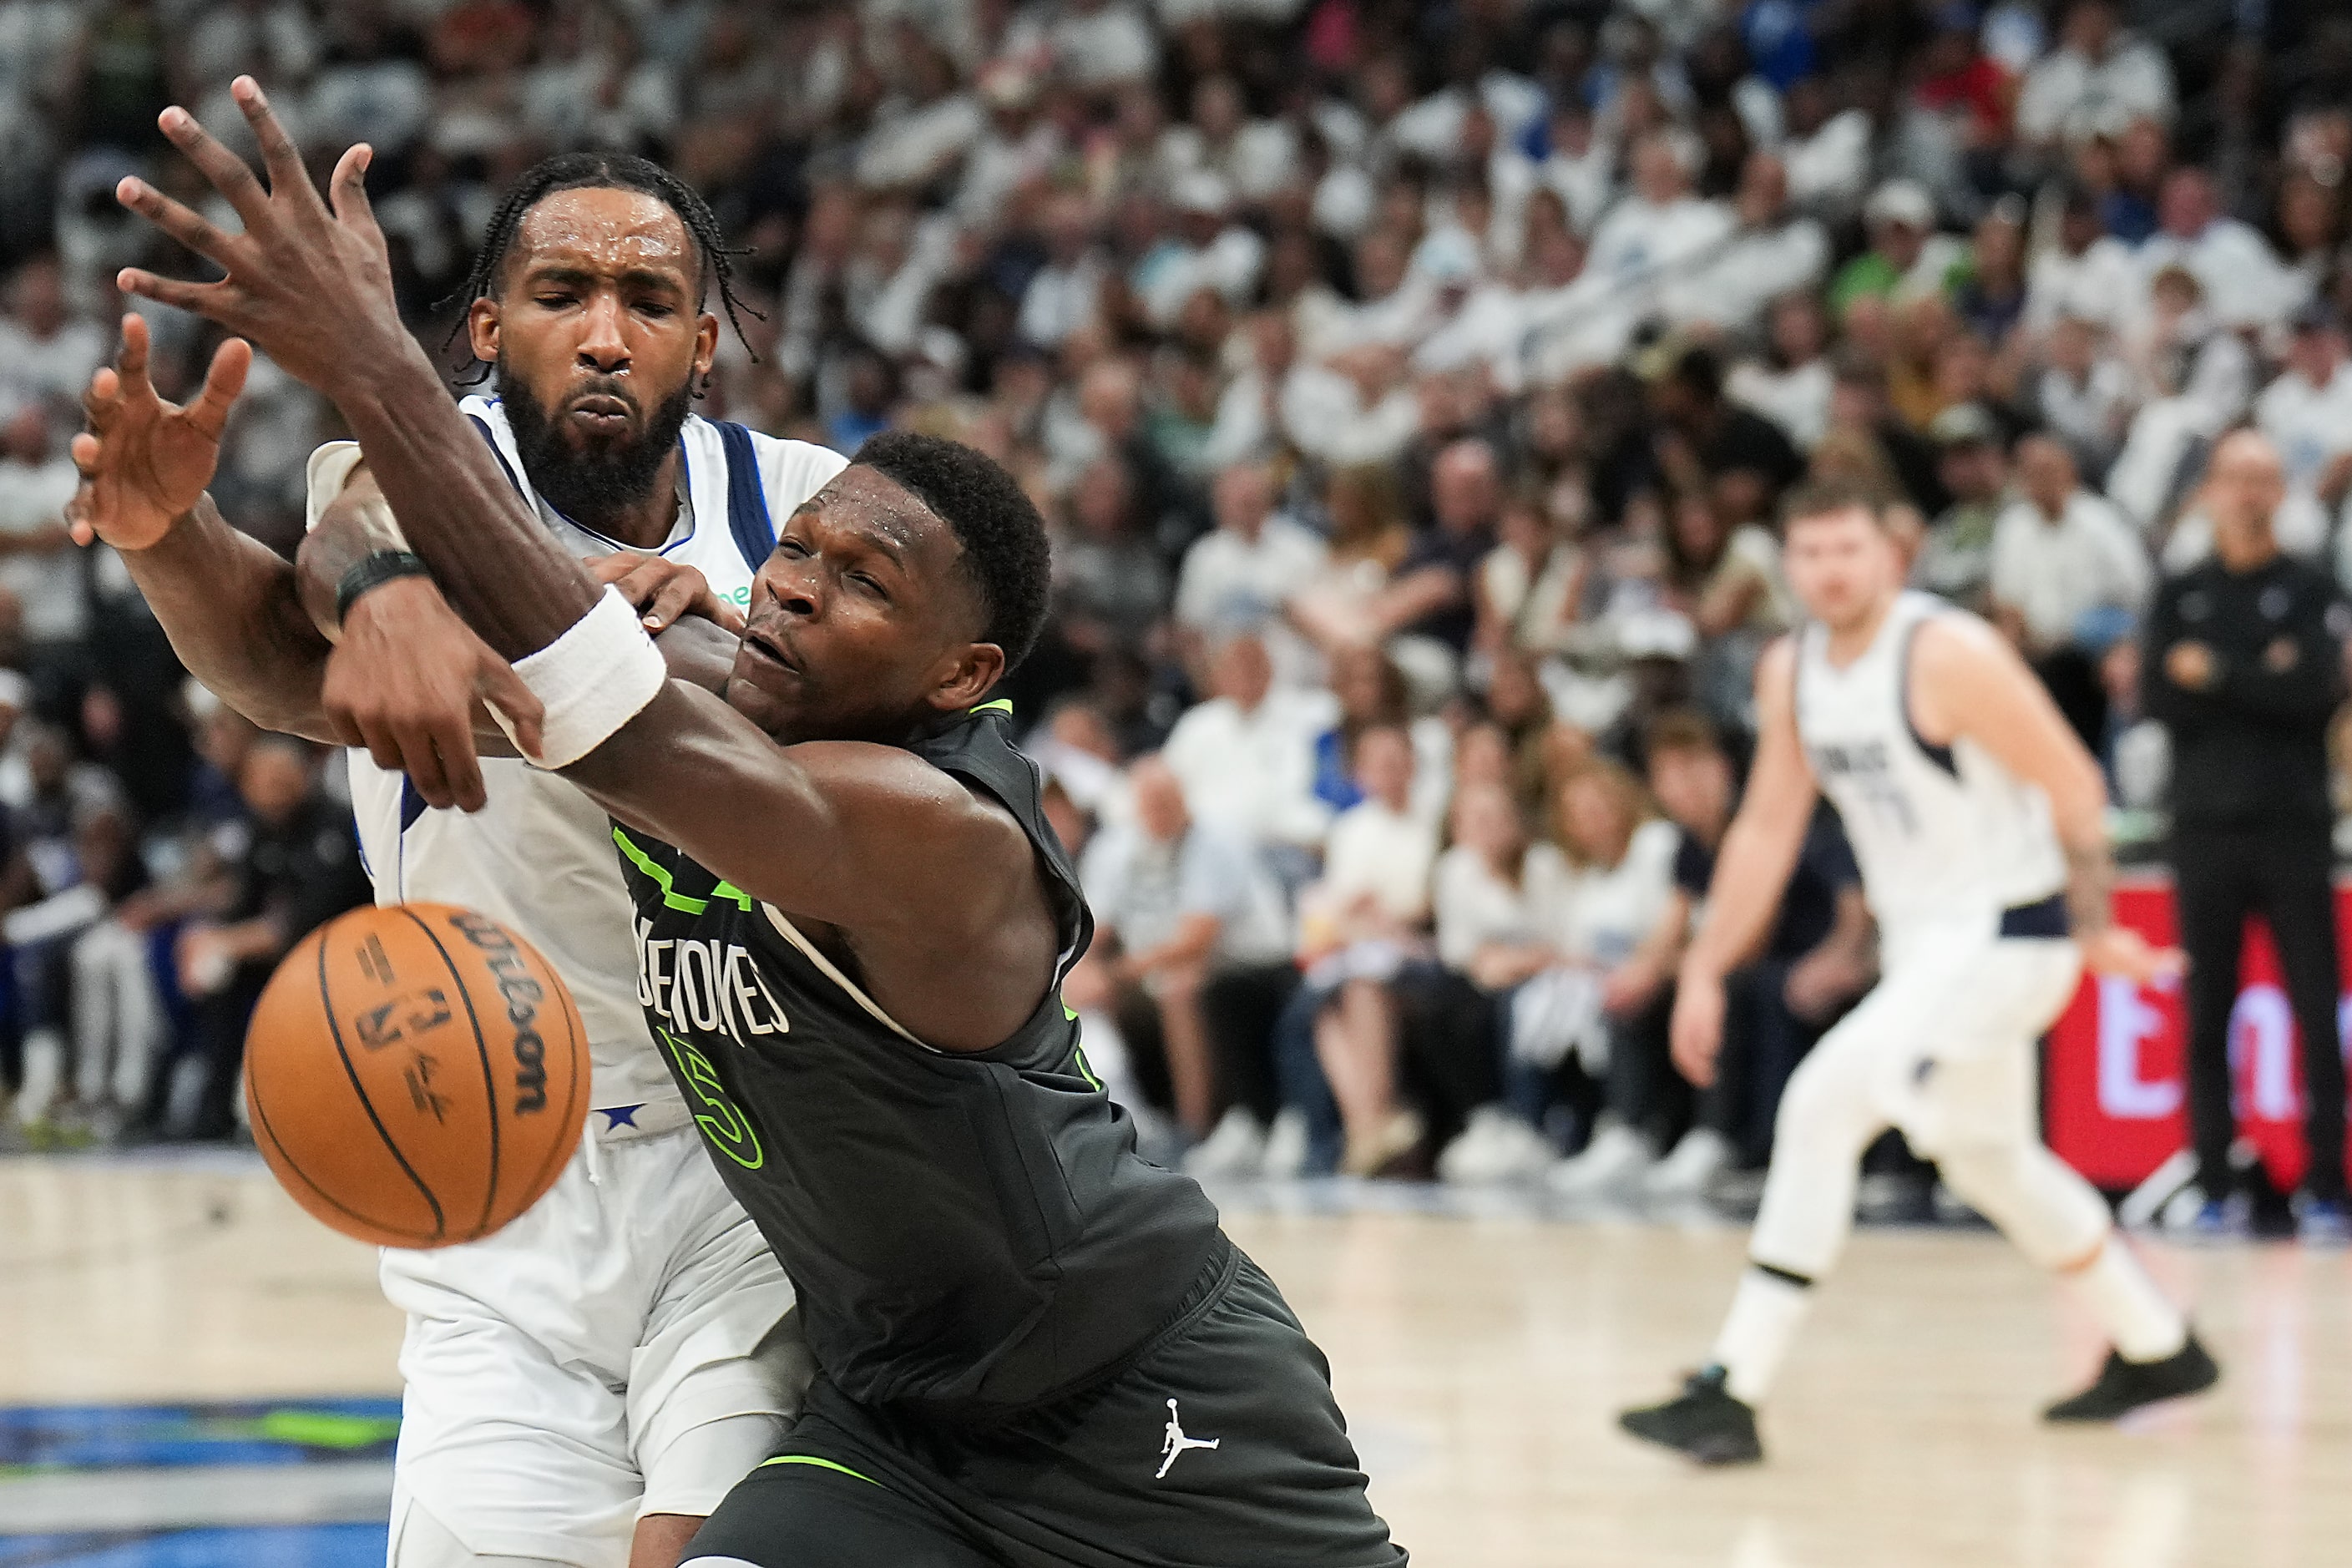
[253, 1103]
[327, 1005]
[572, 1116]
[482, 1048]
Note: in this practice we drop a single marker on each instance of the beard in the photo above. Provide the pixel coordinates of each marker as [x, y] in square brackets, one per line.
[597, 484]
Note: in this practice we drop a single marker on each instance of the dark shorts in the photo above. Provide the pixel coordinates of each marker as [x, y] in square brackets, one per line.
[1264, 1477]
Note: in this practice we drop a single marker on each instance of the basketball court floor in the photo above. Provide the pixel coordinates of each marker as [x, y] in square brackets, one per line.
[193, 1374]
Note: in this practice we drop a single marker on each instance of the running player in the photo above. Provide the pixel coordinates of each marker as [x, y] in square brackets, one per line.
[1978, 820]
[585, 1378]
[853, 924]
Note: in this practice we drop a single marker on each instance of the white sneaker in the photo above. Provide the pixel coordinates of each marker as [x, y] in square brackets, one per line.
[1615, 1159]
[1286, 1146]
[1235, 1151]
[1685, 1172]
[1497, 1146]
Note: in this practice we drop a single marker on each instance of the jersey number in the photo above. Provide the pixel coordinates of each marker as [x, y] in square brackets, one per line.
[728, 1129]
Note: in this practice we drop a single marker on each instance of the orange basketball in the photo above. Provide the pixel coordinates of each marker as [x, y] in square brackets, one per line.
[417, 1076]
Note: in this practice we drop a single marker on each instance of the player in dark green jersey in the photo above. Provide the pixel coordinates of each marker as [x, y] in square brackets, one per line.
[1033, 1348]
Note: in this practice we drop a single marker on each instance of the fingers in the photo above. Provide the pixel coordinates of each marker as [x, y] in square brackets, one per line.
[213, 301]
[632, 571]
[104, 401]
[726, 617]
[417, 754]
[461, 766]
[279, 154]
[225, 169]
[675, 598]
[223, 383]
[131, 365]
[180, 221]
[503, 689]
[348, 189]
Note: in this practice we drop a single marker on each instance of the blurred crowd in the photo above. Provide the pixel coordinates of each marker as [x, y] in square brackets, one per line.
[1410, 388]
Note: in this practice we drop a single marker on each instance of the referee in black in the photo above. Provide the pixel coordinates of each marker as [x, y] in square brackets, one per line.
[2244, 668]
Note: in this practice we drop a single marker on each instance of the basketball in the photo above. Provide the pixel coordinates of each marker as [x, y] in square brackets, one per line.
[415, 1075]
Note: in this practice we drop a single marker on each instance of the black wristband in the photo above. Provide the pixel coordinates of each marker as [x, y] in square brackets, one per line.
[374, 570]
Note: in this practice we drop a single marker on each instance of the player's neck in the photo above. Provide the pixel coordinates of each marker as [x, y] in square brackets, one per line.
[1850, 641]
[646, 523]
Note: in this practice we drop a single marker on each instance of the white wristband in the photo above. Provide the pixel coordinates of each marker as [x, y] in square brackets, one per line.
[595, 678]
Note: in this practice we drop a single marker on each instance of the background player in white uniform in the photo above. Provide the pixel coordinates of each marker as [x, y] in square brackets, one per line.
[583, 1386]
[1978, 820]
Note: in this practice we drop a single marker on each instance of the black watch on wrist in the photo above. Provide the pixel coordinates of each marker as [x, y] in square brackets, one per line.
[374, 570]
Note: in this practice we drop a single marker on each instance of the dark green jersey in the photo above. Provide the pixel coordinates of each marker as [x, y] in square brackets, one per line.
[969, 1233]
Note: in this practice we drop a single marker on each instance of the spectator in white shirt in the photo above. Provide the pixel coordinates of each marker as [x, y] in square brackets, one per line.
[38, 563]
[1792, 384]
[2307, 415]
[2097, 72]
[1659, 229]
[1098, 45]
[2068, 575]
[2089, 274]
[1247, 756]
[1359, 926]
[1774, 249]
[2245, 283]
[1061, 298]
[45, 352]
[1237, 578]
[1184, 905]
[2085, 393]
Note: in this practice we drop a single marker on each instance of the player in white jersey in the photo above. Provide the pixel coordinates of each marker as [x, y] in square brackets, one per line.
[583, 1386]
[1978, 821]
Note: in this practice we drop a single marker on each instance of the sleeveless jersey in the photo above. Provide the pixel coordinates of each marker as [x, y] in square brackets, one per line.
[539, 857]
[1940, 832]
[970, 1234]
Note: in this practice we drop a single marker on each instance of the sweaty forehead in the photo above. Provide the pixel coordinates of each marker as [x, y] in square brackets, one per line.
[605, 231]
[869, 503]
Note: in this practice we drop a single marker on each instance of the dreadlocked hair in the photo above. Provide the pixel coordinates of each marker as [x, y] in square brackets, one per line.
[601, 170]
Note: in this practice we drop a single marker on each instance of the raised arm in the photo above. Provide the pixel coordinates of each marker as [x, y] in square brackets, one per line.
[1758, 851]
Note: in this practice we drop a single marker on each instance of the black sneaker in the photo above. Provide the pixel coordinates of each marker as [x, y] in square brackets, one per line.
[2123, 1386]
[1703, 1423]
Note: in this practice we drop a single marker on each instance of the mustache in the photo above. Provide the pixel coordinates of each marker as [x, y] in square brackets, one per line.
[611, 386]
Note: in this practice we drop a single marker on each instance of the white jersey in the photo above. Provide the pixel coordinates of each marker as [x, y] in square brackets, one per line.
[539, 857]
[1941, 833]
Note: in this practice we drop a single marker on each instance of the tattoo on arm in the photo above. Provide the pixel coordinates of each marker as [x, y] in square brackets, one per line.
[2090, 881]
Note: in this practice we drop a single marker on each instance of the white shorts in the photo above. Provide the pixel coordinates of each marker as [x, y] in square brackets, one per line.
[1945, 1041]
[622, 1349]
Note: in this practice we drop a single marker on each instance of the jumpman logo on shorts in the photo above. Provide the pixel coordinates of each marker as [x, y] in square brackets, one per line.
[1175, 1442]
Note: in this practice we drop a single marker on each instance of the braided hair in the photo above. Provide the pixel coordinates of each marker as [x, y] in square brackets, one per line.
[601, 170]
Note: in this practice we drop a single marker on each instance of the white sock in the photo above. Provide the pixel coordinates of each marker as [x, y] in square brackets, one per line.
[2143, 1324]
[1765, 1316]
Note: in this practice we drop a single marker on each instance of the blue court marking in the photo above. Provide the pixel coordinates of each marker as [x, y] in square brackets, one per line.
[273, 1546]
[144, 1436]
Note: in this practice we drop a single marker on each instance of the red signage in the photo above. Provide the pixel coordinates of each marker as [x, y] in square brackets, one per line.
[2117, 1102]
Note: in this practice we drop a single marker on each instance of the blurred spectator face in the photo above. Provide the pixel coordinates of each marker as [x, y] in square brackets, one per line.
[2072, 345]
[2243, 488]
[1486, 820]
[1514, 696]
[37, 296]
[596, 327]
[2080, 227]
[1243, 496]
[1381, 261]
[1160, 808]
[1899, 242]
[47, 758]
[1658, 174]
[1597, 814]
[1272, 344]
[2315, 354]
[275, 779]
[2090, 27]
[1963, 370]
[1241, 672]
[2187, 204]
[1217, 108]
[2306, 214]
[1384, 766]
[2142, 154]
[1367, 686]
[25, 438]
[2001, 246]
[1069, 227]
[1841, 566]
[1463, 489]
[1557, 256]
[1974, 471]
[1693, 783]
[1483, 757]
[2046, 471]
[1098, 501]
[1763, 189]
[1799, 327]
[1111, 399]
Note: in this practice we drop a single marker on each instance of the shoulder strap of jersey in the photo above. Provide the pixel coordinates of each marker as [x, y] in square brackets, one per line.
[482, 428]
[747, 496]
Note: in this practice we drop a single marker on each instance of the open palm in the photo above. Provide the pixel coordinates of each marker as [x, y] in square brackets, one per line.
[145, 461]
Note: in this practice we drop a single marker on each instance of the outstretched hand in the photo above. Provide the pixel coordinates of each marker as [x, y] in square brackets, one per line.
[144, 462]
[309, 285]
[2122, 951]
